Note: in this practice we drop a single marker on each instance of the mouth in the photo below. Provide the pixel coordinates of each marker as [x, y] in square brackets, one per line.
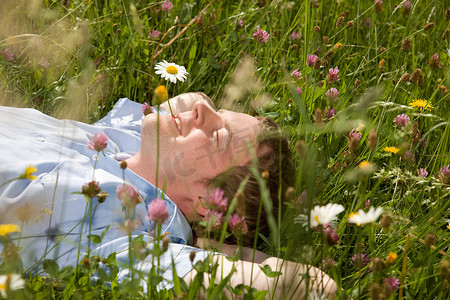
[177, 122]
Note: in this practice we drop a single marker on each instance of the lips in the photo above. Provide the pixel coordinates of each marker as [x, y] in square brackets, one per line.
[177, 122]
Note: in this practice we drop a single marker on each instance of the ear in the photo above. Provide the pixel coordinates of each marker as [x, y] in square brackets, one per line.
[198, 207]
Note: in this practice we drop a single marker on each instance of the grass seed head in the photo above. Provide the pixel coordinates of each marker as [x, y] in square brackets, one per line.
[375, 292]
[405, 77]
[430, 240]
[428, 26]
[318, 117]
[340, 21]
[406, 45]
[290, 193]
[317, 64]
[417, 77]
[165, 243]
[300, 148]
[444, 268]
[192, 256]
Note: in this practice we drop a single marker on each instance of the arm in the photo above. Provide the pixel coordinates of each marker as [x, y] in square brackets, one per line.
[184, 102]
[289, 285]
[244, 253]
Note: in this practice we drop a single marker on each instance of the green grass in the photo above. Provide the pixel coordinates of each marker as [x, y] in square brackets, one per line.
[99, 51]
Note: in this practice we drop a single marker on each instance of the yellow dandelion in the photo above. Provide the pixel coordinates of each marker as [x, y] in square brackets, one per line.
[391, 257]
[161, 94]
[391, 149]
[8, 228]
[421, 104]
[364, 165]
[337, 46]
[29, 173]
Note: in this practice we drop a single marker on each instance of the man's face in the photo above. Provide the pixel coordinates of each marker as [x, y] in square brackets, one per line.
[196, 145]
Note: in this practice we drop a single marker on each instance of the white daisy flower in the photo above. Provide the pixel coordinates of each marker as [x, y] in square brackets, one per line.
[171, 71]
[361, 217]
[321, 215]
[14, 282]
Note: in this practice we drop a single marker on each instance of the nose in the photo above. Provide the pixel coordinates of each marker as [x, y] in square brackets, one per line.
[205, 116]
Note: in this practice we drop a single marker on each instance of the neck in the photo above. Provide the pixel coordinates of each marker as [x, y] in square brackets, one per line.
[179, 190]
[145, 168]
[138, 166]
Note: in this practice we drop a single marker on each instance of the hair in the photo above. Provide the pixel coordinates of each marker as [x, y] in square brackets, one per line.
[273, 158]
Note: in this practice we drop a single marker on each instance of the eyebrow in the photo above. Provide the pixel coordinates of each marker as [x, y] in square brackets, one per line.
[230, 133]
[228, 128]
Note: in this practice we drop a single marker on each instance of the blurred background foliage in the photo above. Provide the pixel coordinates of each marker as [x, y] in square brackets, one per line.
[74, 59]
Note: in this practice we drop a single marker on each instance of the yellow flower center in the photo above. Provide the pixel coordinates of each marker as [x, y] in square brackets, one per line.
[2, 287]
[317, 219]
[352, 215]
[172, 70]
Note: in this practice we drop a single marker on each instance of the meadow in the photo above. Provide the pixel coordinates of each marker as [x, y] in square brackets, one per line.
[360, 88]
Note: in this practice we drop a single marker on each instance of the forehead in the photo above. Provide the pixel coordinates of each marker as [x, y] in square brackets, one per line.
[238, 117]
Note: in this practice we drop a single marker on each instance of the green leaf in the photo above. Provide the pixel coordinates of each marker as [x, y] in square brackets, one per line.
[51, 267]
[105, 231]
[239, 289]
[268, 271]
[176, 281]
[66, 272]
[202, 266]
[192, 55]
[114, 271]
[259, 295]
[39, 296]
[102, 275]
[111, 258]
[84, 281]
[96, 239]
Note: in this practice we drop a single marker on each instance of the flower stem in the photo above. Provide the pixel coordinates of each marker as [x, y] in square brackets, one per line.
[157, 154]
[81, 235]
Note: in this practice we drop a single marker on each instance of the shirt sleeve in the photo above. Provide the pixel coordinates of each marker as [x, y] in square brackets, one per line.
[126, 114]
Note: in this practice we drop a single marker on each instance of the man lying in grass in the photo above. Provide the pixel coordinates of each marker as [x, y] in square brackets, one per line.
[187, 154]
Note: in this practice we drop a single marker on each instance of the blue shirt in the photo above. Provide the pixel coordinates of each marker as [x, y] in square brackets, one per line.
[57, 148]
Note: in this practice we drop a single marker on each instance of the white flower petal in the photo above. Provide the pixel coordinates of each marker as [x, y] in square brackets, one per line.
[161, 69]
[321, 215]
[362, 217]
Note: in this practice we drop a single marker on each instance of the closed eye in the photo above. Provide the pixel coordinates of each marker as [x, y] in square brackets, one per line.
[221, 138]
